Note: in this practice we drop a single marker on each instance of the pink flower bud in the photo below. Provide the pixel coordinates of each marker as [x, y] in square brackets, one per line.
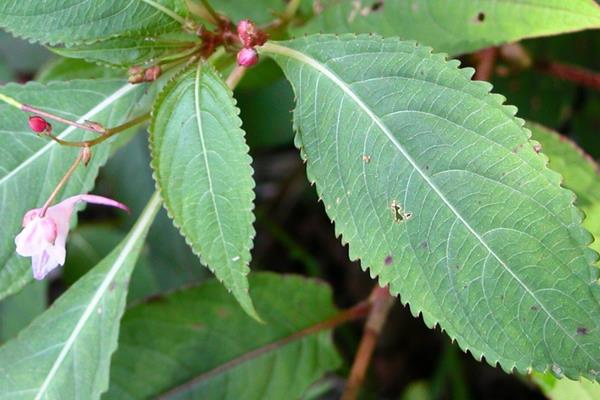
[44, 238]
[247, 57]
[246, 30]
[249, 34]
[39, 124]
[152, 73]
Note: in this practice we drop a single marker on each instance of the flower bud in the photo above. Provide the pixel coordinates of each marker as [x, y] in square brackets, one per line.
[152, 73]
[249, 34]
[247, 57]
[246, 30]
[39, 124]
[136, 78]
[86, 155]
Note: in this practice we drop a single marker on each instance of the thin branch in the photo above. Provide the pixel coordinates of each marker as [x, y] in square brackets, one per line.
[108, 133]
[486, 63]
[581, 76]
[215, 18]
[358, 311]
[88, 126]
[62, 182]
[235, 76]
[382, 303]
[166, 11]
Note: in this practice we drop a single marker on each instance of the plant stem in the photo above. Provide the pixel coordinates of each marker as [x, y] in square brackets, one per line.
[285, 18]
[9, 100]
[235, 76]
[572, 73]
[88, 127]
[166, 10]
[107, 134]
[290, 11]
[358, 311]
[382, 302]
[215, 18]
[62, 183]
[485, 65]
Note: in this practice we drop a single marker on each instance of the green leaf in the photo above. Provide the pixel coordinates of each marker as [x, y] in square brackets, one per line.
[580, 173]
[436, 188]
[17, 311]
[122, 52]
[202, 168]
[565, 389]
[65, 353]
[68, 69]
[127, 173]
[80, 21]
[259, 11]
[89, 244]
[31, 166]
[462, 27]
[217, 352]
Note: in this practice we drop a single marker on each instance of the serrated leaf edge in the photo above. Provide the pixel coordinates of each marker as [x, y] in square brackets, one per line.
[552, 176]
[195, 249]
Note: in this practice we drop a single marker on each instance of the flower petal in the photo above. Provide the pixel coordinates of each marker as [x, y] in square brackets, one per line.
[37, 236]
[90, 198]
[42, 265]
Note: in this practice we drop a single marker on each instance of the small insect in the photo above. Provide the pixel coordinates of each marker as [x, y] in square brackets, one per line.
[398, 214]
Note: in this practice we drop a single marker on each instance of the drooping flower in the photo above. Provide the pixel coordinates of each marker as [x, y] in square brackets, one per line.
[44, 238]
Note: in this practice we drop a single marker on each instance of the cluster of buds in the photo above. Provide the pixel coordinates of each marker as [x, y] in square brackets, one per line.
[138, 74]
[250, 36]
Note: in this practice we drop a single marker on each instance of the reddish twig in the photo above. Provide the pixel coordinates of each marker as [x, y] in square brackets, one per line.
[358, 311]
[382, 302]
[485, 65]
[572, 73]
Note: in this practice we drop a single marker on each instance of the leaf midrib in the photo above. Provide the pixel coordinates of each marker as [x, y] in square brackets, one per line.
[198, 110]
[273, 48]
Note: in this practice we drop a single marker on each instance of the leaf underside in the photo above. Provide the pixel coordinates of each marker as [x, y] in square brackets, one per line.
[458, 27]
[31, 166]
[435, 186]
[267, 361]
[202, 168]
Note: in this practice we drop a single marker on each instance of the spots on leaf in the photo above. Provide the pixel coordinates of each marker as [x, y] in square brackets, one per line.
[377, 6]
[480, 17]
[534, 308]
[398, 214]
[388, 260]
[366, 158]
[582, 330]
[537, 148]
[424, 244]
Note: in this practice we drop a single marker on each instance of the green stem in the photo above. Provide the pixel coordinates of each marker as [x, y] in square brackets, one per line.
[9, 100]
[290, 10]
[165, 10]
[215, 17]
[62, 183]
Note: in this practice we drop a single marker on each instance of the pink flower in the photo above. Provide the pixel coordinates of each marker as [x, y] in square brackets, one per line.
[44, 238]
